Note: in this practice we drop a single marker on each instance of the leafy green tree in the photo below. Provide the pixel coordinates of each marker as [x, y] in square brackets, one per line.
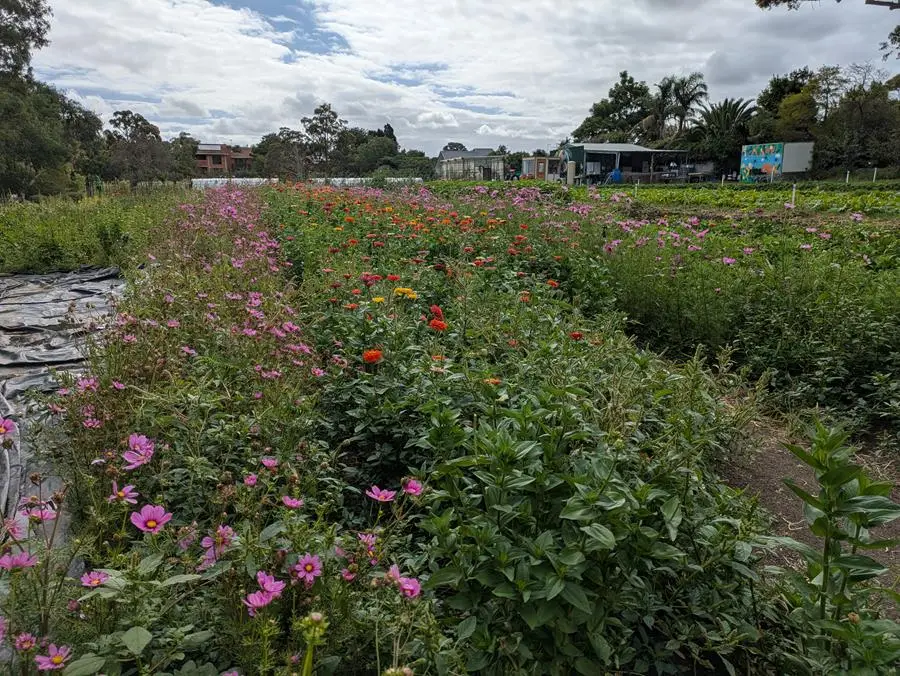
[32, 141]
[184, 156]
[782, 86]
[828, 85]
[136, 150]
[455, 146]
[322, 131]
[661, 107]
[721, 130]
[375, 152]
[616, 117]
[796, 117]
[23, 28]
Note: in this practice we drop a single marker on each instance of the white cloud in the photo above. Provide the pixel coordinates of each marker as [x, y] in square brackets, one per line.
[523, 74]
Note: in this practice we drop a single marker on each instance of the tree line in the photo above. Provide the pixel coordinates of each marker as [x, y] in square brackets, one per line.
[852, 114]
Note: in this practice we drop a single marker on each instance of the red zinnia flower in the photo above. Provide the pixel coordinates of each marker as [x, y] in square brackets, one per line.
[372, 356]
[437, 312]
[552, 283]
[438, 325]
[576, 335]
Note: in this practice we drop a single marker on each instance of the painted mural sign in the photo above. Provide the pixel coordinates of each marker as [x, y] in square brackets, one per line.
[761, 162]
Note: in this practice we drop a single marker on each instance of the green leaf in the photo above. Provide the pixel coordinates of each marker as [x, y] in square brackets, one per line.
[671, 511]
[600, 645]
[467, 627]
[575, 595]
[180, 579]
[197, 638]
[601, 535]
[148, 565]
[577, 511]
[449, 576]
[840, 475]
[136, 639]
[85, 666]
[554, 588]
[803, 495]
[270, 531]
[804, 456]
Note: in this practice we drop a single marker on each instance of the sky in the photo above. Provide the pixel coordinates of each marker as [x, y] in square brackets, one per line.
[522, 73]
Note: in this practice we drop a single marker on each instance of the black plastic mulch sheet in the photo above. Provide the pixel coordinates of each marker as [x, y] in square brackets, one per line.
[43, 321]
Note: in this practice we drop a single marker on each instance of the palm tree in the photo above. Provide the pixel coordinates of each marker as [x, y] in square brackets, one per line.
[722, 129]
[689, 92]
[661, 107]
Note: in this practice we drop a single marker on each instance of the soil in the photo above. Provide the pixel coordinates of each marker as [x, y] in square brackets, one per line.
[762, 472]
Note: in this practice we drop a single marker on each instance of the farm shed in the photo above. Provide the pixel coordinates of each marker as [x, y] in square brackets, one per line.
[471, 165]
[595, 161]
[543, 168]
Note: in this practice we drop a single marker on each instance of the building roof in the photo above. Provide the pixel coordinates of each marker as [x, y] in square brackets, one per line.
[209, 147]
[622, 148]
[475, 152]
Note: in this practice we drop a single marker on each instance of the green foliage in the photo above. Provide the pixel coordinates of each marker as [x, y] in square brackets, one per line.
[829, 604]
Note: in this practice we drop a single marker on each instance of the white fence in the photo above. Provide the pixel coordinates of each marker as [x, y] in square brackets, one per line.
[205, 183]
[354, 181]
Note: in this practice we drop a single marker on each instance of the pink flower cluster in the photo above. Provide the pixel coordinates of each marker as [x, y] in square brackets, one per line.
[410, 587]
[269, 590]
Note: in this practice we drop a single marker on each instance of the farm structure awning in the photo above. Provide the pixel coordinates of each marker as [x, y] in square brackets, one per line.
[597, 160]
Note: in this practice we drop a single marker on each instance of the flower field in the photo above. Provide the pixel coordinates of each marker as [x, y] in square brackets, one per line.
[361, 432]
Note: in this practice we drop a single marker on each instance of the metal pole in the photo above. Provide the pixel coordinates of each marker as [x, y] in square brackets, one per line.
[723, 180]
[874, 174]
[794, 196]
[848, 177]
[636, 187]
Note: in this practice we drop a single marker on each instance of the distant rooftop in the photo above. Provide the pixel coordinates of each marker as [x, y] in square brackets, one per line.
[621, 148]
[475, 152]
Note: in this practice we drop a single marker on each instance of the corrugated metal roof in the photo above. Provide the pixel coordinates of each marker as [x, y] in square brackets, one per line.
[468, 154]
[622, 148]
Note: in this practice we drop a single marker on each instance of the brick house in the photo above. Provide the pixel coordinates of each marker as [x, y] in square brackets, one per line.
[219, 159]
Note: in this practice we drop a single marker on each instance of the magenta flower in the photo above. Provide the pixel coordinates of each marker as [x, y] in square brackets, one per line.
[412, 487]
[14, 527]
[7, 426]
[54, 659]
[381, 495]
[393, 574]
[806, 247]
[269, 463]
[126, 494]
[94, 578]
[293, 503]
[348, 575]
[856, 217]
[16, 561]
[308, 568]
[219, 541]
[250, 480]
[729, 261]
[410, 587]
[257, 601]
[269, 584]
[140, 451]
[116, 385]
[25, 642]
[40, 514]
[748, 250]
[151, 518]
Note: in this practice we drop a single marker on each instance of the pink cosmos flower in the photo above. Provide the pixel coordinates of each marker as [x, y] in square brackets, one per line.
[728, 261]
[748, 250]
[129, 338]
[220, 540]
[7, 426]
[308, 568]
[806, 247]
[269, 463]
[173, 323]
[393, 574]
[13, 526]
[269, 584]
[92, 423]
[348, 575]
[126, 494]
[25, 642]
[317, 372]
[856, 217]
[140, 451]
[54, 659]
[189, 351]
[40, 514]
[94, 578]
[250, 480]
[410, 587]
[257, 601]
[151, 518]
[16, 561]
[381, 495]
[293, 503]
[412, 487]
[116, 385]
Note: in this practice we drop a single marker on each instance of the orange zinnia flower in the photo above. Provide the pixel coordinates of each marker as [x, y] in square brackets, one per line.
[372, 356]
[552, 283]
[438, 325]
